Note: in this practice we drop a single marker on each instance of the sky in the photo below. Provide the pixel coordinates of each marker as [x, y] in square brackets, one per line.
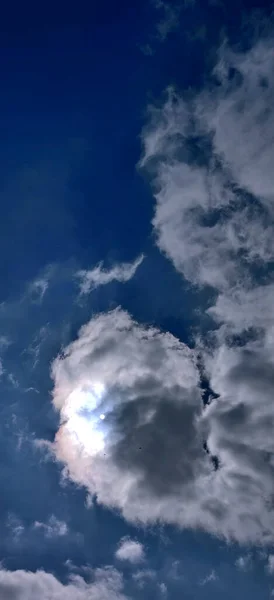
[136, 310]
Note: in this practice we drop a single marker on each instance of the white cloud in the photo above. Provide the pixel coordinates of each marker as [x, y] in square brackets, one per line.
[130, 550]
[89, 280]
[146, 457]
[37, 288]
[210, 159]
[53, 528]
[107, 584]
[244, 563]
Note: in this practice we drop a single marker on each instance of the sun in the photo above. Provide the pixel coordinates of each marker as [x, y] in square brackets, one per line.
[81, 419]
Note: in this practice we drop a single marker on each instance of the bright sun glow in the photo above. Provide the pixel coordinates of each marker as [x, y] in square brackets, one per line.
[81, 419]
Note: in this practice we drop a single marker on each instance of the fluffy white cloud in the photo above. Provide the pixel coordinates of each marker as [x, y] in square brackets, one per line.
[211, 162]
[211, 159]
[130, 550]
[129, 403]
[89, 280]
[133, 427]
[107, 584]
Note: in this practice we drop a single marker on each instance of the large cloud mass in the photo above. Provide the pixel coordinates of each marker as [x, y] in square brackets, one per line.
[211, 160]
[107, 584]
[134, 429]
[130, 404]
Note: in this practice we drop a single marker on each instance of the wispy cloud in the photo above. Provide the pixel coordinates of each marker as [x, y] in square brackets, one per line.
[270, 564]
[210, 578]
[37, 288]
[169, 20]
[90, 280]
[244, 563]
[53, 528]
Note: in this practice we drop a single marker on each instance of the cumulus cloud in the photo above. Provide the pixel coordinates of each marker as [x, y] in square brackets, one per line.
[130, 550]
[107, 584]
[212, 191]
[210, 157]
[89, 280]
[130, 405]
[133, 430]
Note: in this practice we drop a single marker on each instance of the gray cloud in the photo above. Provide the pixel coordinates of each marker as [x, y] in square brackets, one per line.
[107, 584]
[210, 160]
[146, 456]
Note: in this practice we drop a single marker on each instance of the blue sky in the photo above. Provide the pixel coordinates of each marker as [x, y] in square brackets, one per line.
[136, 311]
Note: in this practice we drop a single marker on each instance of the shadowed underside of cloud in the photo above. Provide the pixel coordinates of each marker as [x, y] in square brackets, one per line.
[210, 158]
[133, 431]
[107, 584]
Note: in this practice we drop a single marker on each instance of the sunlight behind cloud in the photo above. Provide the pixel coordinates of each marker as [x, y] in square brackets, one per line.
[81, 420]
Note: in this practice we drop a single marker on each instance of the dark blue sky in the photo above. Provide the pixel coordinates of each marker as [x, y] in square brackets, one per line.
[75, 87]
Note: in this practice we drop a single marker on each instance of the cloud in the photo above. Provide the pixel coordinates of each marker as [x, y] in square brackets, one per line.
[133, 430]
[244, 563]
[209, 578]
[170, 17]
[144, 576]
[270, 564]
[37, 289]
[212, 191]
[107, 584]
[90, 280]
[209, 156]
[163, 589]
[145, 456]
[130, 550]
[53, 528]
